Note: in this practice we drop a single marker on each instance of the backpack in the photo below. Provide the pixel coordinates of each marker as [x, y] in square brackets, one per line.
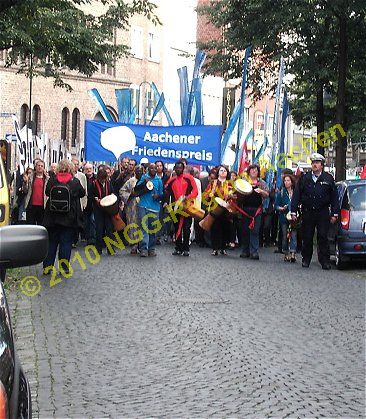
[60, 198]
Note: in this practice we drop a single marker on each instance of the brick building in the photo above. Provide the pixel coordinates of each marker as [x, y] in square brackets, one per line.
[61, 114]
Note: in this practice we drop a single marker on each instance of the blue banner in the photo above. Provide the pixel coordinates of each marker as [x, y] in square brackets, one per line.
[123, 97]
[242, 108]
[107, 141]
[93, 93]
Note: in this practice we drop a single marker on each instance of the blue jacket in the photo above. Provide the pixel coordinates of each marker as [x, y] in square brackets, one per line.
[146, 200]
[282, 199]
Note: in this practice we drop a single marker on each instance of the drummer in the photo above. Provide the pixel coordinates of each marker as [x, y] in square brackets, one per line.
[103, 222]
[179, 187]
[148, 211]
[222, 226]
[251, 208]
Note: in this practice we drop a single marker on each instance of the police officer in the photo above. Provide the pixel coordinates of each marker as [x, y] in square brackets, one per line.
[316, 192]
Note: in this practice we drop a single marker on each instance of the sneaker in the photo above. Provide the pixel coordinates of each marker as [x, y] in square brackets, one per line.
[254, 257]
[176, 253]
[215, 253]
[185, 253]
[223, 252]
[151, 253]
[143, 254]
[244, 255]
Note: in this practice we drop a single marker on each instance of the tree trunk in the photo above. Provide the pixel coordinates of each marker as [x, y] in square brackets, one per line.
[341, 143]
[320, 127]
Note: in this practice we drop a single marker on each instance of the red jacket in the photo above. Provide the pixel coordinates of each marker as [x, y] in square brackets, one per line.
[183, 185]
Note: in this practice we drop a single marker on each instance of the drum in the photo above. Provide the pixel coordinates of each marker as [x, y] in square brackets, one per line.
[143, 188]
[193, 211]
[220, 208]
[242, 187]
[293, 224]
[110, 205]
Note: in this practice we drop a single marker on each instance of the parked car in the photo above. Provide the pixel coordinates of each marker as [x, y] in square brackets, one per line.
[348, 237]
[21, 245]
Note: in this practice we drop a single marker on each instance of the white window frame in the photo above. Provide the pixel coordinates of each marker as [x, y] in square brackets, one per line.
[153, 47]
[137, 49]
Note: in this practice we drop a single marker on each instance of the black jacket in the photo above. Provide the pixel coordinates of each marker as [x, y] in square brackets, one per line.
[316, 196]
[74, 218]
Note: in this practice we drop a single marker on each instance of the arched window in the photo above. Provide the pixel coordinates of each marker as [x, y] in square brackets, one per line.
[75, 127]
[114, 114]
[65, 120]
[36, 120]
[24, 114]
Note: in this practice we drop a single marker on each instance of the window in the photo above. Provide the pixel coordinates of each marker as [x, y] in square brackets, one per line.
[65, 117]
[36, 120]
[137, 42]
[260, 121]
[75, 127]
[24, 113]
[153, 47]
[102, 68]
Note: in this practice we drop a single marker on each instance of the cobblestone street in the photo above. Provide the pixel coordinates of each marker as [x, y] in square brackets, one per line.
[195, 337]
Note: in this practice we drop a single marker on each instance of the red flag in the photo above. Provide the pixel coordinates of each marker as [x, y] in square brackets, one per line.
[363, 173]
[244, 161]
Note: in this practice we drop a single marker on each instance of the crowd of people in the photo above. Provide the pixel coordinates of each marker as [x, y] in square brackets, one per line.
[210, 209]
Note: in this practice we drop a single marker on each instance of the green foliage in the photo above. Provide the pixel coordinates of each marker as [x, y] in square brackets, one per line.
[306, 34]
[62, 34]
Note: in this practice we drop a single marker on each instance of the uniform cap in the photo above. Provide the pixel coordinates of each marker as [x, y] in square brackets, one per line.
[317, 157]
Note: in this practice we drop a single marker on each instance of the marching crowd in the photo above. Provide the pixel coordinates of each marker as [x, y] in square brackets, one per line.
[183, 205]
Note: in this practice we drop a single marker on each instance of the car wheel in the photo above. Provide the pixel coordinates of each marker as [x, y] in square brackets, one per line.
[339, 260]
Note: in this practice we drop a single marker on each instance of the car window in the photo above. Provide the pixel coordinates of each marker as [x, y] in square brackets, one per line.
[357, 197]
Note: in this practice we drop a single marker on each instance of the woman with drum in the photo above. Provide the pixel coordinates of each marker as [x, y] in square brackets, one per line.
[283, 204]
[222, 225]
[251, 206]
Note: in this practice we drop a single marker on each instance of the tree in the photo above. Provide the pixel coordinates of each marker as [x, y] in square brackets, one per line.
[320, 41]
[61, 34]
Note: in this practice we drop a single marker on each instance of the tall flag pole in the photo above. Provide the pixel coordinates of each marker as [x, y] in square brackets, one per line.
[262, 150]
[285, 112]
[242, 109]
[274, 152]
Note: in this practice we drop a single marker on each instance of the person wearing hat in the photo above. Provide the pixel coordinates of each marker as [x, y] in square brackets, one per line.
[317, 194]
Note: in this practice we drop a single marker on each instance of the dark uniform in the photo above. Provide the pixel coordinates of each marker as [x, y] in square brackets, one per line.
[315, 199]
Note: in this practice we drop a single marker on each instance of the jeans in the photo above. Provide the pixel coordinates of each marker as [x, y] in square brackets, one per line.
[250, 238]
[149, 222]
[90, 234]
[59, 237]
[285, 241]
